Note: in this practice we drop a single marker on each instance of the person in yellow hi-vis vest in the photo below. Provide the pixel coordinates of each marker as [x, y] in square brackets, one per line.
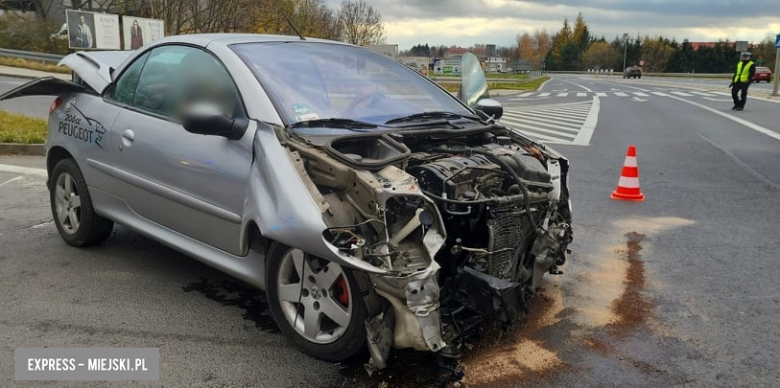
[743, 76]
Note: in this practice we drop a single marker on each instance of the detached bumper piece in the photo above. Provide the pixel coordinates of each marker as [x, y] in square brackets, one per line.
[497, 298]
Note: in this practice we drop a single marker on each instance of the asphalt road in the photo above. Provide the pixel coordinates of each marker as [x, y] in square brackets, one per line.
[679, 290]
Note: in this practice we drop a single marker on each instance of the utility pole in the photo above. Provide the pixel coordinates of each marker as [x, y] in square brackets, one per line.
[625, 50]
[777, 66]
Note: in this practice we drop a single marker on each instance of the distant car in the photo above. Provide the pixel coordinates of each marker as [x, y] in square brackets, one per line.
[762, 74]
[633, 72]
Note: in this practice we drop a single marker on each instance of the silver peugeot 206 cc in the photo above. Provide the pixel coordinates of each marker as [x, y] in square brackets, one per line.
[373, 207]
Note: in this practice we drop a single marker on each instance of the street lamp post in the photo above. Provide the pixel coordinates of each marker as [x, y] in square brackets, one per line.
[625, 50]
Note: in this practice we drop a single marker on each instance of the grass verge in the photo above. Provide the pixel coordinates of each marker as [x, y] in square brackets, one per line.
[21, 129]
[487, 75]
[33, 65]
[528, 85]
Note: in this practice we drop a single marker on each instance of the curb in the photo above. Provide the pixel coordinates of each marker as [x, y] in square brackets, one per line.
[23, 149]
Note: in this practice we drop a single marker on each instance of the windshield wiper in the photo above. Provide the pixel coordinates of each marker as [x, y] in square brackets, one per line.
[432, 116]
[334, 123]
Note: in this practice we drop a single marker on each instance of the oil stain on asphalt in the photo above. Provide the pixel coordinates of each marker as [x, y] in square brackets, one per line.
[236, 294]
[593, 318]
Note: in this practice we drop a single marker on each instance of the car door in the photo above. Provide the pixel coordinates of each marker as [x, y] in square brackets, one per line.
[192, 184]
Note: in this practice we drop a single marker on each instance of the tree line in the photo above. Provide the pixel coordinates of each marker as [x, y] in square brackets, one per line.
[353, 21]
[574, 48]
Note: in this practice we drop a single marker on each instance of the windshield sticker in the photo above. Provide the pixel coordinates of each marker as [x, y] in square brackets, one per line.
[300, 108]
[82, 128]
[308, 117]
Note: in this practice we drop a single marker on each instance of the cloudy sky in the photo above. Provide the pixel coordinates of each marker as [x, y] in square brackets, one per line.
[466, 22]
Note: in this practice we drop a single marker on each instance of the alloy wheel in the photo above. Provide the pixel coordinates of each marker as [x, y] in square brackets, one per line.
[67, 203]
[314, 296]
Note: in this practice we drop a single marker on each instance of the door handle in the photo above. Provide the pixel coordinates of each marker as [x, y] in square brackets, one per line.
[127, 138]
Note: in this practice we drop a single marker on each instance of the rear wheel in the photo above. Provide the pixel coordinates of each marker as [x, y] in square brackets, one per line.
[316, 303]
[71, 207]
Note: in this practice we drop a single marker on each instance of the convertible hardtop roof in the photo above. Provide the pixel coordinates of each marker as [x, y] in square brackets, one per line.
[228, 39]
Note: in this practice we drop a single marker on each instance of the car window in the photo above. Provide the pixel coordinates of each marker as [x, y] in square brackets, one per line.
[175, 77]
[124, 91]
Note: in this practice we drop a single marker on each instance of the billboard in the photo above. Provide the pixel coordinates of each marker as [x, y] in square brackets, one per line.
[140, 31]
[92, 30]
[446, 66]
[391, 50]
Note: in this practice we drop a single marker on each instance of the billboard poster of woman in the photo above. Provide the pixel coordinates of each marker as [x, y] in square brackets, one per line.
[136, 36]
[140, 31]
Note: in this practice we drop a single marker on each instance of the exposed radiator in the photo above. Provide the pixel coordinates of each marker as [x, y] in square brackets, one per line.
[509, 228]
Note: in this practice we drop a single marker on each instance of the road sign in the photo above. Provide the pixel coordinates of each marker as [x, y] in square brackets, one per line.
[742, 45]
[777, 42]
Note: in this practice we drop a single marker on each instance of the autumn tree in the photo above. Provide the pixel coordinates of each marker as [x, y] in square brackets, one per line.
[765, 53]
[600, 54]
[581, 35]
[526, 47]
[361, 23]
[656, 53]
[555, 59]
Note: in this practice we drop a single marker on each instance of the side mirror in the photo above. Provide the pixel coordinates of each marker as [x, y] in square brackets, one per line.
[208, 119]
[490, 107]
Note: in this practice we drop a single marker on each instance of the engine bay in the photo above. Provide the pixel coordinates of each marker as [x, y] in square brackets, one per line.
[463, 227]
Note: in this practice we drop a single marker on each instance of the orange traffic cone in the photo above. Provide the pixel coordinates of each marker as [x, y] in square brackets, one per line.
[628, 185]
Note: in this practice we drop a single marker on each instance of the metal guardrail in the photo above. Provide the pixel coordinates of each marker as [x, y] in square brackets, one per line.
[618, 73]
[43, 57]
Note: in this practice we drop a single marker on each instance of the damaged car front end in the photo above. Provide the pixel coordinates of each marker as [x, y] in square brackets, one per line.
[451, 217]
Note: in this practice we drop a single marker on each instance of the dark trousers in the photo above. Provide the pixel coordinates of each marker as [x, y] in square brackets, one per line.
[739, 94]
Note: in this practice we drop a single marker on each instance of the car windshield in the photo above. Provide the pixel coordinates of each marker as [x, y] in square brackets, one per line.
[313, 82]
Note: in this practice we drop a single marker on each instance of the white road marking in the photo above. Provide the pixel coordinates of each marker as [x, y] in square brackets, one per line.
[544, 83]
[718, 99]
[562, 117]
[544, 94]
[582, 94]
[573, 127]
[526, 94]
[682, 94]
[538, 136]
[579, 86]
[704, 94]
[23, 170]
[583, 138]
[735, 119]
[662, 94]
[535, 128]
[600, 94]
[640, 94]
[562, 94]
[527, 99]
[621, 94]
[11, 180]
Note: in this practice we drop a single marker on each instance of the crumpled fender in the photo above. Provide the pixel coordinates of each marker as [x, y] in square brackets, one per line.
[282, 207]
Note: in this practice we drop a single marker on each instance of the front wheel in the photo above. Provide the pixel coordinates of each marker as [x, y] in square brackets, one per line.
[316, 303]
[71, 207]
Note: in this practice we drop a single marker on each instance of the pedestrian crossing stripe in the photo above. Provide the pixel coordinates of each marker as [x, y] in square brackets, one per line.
[554, 124]
[647, 93]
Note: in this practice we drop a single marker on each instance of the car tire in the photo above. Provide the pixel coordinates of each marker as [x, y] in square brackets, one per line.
[319, 291]
[72, 209]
